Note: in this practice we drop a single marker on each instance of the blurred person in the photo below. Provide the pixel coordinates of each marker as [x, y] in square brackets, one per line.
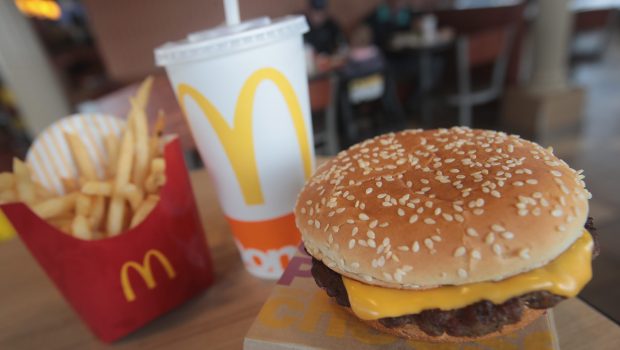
[325, 35]
[389, 18]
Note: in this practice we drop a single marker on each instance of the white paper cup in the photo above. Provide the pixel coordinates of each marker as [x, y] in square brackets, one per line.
[244, 92]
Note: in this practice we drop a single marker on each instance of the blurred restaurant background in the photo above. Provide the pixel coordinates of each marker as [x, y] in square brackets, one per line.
[548, 70]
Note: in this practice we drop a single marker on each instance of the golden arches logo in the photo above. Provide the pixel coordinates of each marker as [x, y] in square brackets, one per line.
[238, 140]
[145, 271]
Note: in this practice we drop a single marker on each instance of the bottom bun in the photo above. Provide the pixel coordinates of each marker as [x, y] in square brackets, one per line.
[411, 331]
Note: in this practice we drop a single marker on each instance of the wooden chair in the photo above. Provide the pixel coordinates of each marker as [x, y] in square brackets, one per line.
[485, 47]
[592, 30]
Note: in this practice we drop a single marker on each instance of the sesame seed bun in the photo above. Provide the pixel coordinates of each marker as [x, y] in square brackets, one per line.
[420, 209]
[412, 331]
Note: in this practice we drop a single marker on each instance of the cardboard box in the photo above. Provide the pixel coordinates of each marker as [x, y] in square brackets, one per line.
[299, 315]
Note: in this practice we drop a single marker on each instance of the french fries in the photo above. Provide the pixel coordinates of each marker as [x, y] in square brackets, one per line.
[97, 213]
[97, 188]
[80, 228]
[133, 195]
[94, 207]
[81, 157]
[116, 210]
[23, 182]
[149, 204]
[7, 181]
[55, 206]
[110, 142]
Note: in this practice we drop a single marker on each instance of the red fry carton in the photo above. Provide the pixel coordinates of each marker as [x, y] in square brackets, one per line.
[120, 283]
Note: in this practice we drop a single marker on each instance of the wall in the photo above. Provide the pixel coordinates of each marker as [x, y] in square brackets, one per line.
[128, 31]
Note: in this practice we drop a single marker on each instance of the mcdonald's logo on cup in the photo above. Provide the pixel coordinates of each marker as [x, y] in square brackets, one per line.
[145, 271]
[244, 93]
[257, 191]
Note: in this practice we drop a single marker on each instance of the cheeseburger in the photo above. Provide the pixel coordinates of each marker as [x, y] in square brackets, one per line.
[447, 235]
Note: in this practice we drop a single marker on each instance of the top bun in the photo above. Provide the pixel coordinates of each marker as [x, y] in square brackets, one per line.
[420, 209]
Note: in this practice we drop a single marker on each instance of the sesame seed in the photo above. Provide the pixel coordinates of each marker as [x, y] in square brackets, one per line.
[460, 251]
[370, 234]
[523, 212]
[496, 194]
[351, 243]
[369, 190]
[436, 238]
[447, 216]
[373, 224]
[561, 228]
[340, 210]
[428, 204]
[478, 211]
[371, 243]
[518, 183]
[498, 228]
[479, 202]
[428, 243]
[403, 248]
[335, 228]
[363, 217]
[429, 221]
[556, 173]
[497, 249]
[462, 273]
[437, 211]
[413, 218]
[459, 217]
[476, 255]
[524, 253]
[557, 212]
[354, 231]
[472, 232]
[350, 221]
[490, 238]
[508, 235]
[531, 181]
[415, 247]
[401, 212]
[317, 224]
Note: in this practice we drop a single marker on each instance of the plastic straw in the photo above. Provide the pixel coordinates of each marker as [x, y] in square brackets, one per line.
[231, 8]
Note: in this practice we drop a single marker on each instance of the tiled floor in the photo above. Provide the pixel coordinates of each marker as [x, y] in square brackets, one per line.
[596, 149]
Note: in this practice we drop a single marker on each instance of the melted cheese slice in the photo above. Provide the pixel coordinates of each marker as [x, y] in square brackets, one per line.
[565, 276]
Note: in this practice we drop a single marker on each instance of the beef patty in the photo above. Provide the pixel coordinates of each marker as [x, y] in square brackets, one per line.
[473, 320]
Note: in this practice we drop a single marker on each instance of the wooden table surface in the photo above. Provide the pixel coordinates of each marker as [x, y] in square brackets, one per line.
[33, 314]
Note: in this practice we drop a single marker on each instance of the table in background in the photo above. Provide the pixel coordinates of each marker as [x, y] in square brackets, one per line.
[33, 314]
[413, 45]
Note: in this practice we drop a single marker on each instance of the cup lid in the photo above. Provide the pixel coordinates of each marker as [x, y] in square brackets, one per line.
[225, 39]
